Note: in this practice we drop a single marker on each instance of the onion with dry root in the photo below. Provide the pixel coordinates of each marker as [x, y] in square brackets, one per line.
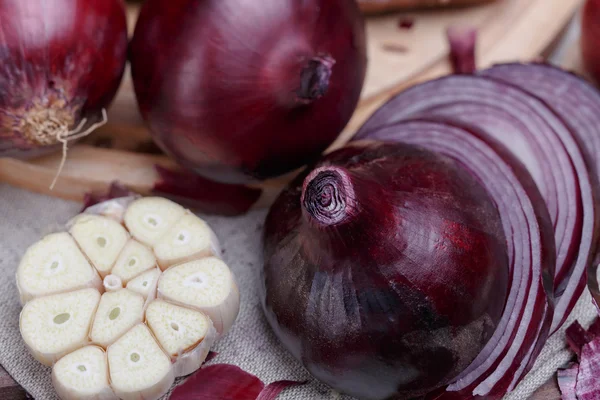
[131, 297]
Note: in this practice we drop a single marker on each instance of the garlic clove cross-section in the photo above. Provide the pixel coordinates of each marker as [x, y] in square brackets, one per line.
[190, 238]
[55, 325]
[139, 368]
[145, 284]
[54, 265]
[117, 313]
[100, 238]
[206, 285]
[187, 335]
[149, 218]
[90, 299]
[133, 260]
[83, 375]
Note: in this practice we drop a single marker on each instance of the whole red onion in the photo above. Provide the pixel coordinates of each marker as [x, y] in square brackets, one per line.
[62, 63]
[386, 270]
[242, 90]
[590, 37]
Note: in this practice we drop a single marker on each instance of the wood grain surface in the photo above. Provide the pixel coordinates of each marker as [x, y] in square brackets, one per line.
[508, 30]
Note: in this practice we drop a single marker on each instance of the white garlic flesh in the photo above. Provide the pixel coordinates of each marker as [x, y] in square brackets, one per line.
[121, 306]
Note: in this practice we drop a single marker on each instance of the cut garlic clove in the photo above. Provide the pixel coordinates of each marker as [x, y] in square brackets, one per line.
[55, 325]
[190, 238]
[83, 375]
[149, 218]
[54, 265]
[206, 285]
[100, 238]
[133, 260]
[187, 335]
[145, 284]
[139, 368]
[117, 313]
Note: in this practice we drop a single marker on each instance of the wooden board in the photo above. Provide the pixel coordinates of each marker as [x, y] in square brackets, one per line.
[509, 30]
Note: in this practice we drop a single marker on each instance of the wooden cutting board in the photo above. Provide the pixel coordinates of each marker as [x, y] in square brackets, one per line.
[508, 30]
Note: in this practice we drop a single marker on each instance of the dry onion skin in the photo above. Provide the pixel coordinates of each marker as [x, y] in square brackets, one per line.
[62, 64]
[132, 296]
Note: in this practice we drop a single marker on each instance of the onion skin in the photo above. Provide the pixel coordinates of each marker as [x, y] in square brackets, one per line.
[590, 38]
[62, 61]
[386, 270]
[245, 90]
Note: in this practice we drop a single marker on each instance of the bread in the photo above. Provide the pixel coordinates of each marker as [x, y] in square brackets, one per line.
[379, 6]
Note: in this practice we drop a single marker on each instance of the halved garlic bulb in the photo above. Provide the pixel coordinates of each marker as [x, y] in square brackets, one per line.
[55, 325]
[83, 375]
[207, 285]
[71, 315]
[54, 265]
[139, 368]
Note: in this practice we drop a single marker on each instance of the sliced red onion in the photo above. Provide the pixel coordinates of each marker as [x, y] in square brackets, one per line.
[524, 326]
[538, 137]
[588, 378]
[203, 194]
[578, 103]
[567, 379]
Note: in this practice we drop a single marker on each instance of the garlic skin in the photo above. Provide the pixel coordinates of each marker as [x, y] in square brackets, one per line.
[91, 307]
[206, 285]
[54, 265]
[55, 325]
[139, 368]
[83, 375]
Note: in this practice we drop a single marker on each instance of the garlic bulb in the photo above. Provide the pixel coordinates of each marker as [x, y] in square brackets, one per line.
[91, 307]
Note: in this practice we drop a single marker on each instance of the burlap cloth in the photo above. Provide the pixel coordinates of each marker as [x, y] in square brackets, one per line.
[26, 217]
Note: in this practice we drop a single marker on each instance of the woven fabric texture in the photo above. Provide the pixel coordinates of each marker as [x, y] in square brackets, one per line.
[25, 217]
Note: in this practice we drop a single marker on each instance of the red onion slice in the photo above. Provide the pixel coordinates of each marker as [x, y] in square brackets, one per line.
[524, 326]
[578, 103]
[538, 137]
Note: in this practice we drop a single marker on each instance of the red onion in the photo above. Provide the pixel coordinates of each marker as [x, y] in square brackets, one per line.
[242, 90]
[524, 326]
[62, 63]
[590, 37]
[365, 256]
[539, 138]
[578, 104]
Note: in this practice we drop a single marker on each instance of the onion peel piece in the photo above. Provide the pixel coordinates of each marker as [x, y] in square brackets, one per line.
[567, 380]
[203, 194]
[588, 379]
[226, 381]
[462, 41]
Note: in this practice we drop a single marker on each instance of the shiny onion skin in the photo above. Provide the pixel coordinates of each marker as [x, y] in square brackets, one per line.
[60, 61]
[386, 270]
[245, 90]
[590, 38]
